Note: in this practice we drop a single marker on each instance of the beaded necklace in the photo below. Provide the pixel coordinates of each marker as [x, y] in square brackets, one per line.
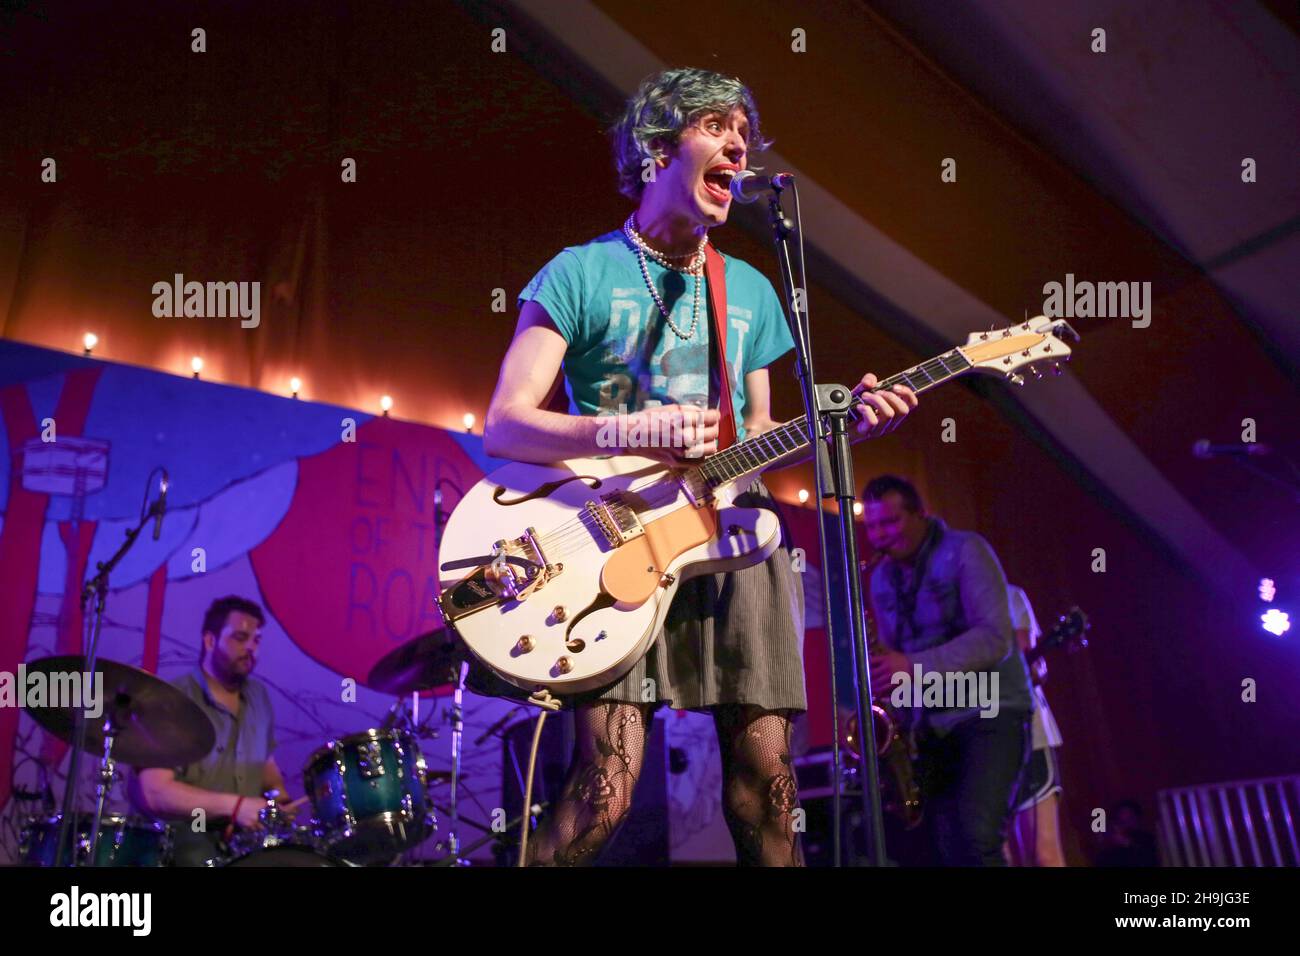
[696, 269]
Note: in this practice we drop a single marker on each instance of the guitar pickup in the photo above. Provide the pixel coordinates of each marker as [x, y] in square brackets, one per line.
[617, 521]
[697, 488]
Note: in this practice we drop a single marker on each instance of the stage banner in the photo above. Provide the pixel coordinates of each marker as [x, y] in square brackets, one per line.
[325, 516]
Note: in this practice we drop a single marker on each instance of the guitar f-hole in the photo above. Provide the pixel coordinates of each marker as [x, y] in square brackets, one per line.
[542, 490]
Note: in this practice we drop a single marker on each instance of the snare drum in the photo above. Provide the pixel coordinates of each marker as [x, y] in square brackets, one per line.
[370, 794]
[285, 855]
[255, 840]
[123, 841]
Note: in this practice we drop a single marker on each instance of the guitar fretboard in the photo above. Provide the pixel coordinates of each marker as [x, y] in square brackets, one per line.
[754, 454]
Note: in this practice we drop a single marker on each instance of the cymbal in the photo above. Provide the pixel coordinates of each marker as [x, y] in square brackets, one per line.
[156, 724]
[426, 662]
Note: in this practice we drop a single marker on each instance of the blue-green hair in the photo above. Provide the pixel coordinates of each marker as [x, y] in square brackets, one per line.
[663, 107]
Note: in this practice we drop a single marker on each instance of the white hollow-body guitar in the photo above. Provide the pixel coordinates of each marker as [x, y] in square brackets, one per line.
[560, 576]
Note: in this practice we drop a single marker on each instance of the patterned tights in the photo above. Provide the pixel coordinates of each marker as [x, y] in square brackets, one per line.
[760, 797]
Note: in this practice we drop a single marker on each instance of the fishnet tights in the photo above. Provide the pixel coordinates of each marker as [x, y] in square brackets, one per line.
[760, 797]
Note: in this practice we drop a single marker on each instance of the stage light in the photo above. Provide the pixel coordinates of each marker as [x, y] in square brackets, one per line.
[89, 341]
[386, 403]
[295, 385]
[857, 508]
[468, 421]
[803, 496]
[1267, 590]
[1275, 621]
[196, 364]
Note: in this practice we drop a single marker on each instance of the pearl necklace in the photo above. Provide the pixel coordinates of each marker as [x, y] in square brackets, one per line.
[695, 269]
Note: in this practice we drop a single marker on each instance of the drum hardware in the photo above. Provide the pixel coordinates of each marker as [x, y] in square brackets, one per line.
[78, 733]
[275, 829]
[489, 835]
[436, 661]
[147, 723]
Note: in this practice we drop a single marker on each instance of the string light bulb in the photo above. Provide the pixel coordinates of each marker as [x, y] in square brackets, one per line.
[295, 386]
[386, 404]
[803, 496]
[468, 421]
[89, 341]
[196, 364]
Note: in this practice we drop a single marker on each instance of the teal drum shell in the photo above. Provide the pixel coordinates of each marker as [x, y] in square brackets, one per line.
[370, 794]
[123, 841]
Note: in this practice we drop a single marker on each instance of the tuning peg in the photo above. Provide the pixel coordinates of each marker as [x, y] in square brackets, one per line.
[1015, 379]
[1056, 368]
[1034, 370]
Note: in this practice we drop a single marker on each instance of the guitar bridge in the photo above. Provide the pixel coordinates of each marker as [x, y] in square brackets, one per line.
[617, 520]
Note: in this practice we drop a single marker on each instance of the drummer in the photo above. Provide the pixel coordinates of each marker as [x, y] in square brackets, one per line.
[228, 783]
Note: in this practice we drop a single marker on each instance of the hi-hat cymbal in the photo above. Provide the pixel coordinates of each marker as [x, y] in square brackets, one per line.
[426, 662]
[156, 724]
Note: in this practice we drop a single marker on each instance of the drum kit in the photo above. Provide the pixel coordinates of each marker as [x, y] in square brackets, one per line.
[370, 792]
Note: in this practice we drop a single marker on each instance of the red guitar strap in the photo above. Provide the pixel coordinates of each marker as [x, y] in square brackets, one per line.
[715, 272]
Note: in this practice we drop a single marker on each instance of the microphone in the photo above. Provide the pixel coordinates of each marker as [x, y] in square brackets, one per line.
[1204, 449]
[747, 186]
[491, 731]
[160, 506]
[390, 720]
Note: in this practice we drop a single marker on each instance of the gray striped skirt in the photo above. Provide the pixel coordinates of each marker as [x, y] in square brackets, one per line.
[731, 638]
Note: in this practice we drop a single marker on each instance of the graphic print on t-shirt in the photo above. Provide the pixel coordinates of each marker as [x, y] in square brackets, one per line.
[622, 354]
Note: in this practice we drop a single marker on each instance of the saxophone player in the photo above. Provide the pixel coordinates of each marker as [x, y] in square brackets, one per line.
[939, 598]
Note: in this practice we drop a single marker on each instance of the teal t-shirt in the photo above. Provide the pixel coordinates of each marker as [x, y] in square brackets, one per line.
[621, 351]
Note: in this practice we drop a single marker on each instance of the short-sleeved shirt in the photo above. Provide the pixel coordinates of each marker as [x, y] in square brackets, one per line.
[1045, 732]
[623, 356]
[244, 742]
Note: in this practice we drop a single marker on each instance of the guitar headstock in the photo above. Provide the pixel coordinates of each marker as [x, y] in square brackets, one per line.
[1037, 341]
[1069, 630]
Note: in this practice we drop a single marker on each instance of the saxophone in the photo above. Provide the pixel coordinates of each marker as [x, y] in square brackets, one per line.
[895, 746]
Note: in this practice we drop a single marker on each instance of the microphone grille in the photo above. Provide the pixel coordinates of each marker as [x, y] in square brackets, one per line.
[737, 186]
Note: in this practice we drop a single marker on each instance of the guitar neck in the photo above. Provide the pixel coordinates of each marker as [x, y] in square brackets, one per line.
[790, 439]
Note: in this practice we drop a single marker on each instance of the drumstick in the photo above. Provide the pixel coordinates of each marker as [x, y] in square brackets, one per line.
[294, 803]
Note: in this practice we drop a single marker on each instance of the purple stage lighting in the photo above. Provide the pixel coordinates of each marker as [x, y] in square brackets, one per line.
[1275, 621]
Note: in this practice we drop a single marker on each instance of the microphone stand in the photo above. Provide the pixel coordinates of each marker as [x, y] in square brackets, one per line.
[827, 411]
[96, 587]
